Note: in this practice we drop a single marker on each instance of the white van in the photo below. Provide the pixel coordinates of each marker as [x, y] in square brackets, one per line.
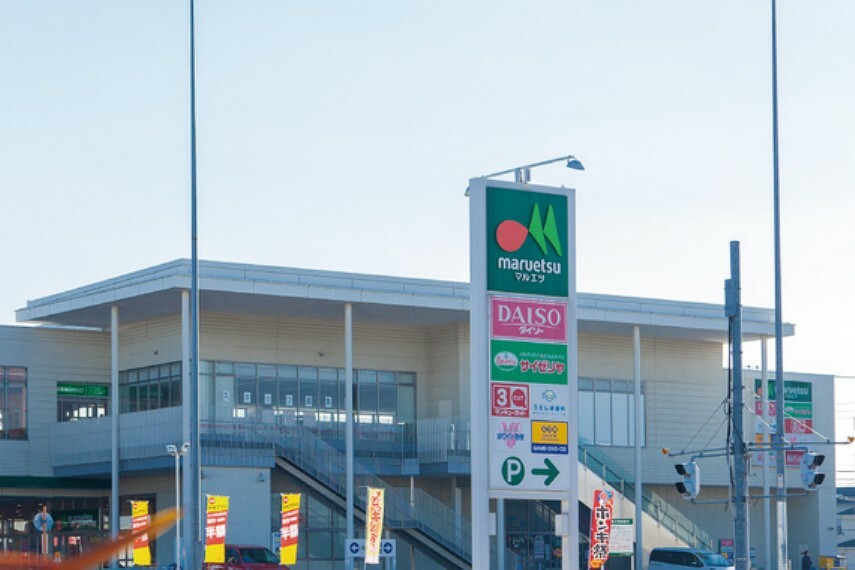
[686, 559]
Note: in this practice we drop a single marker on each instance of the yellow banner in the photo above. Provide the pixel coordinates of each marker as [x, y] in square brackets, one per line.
[139, 521]
[215, 528]
[373, 525]
[289, 531]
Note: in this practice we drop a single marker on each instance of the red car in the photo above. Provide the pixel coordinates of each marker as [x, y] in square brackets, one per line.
[242, 557]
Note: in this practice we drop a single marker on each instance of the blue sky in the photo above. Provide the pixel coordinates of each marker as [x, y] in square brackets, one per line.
[341, 135]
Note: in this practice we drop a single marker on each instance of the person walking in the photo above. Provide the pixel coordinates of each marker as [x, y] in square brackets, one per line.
[806, 562]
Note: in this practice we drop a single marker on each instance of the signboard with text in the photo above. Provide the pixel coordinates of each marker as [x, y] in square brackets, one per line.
[217, 516]
[527, 246]
[622, 538]
[798, 419]
[523, 298]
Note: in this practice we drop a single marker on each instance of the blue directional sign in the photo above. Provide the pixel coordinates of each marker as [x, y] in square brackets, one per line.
[355, 548]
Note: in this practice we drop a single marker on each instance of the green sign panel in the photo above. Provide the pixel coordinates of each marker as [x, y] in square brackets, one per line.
[799, 411]
[515, 361]
[82, 390]
[793, 391]
[527, 242]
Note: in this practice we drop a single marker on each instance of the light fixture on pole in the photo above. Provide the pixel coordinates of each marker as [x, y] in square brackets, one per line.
[177, 454]
[522, 174]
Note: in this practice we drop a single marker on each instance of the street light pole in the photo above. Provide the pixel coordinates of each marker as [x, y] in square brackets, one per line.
[193, 497]
[781, 487]
[177, 454]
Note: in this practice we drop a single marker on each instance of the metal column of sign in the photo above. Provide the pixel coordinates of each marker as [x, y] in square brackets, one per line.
[733, 309]
[523, 353]
[478, 389]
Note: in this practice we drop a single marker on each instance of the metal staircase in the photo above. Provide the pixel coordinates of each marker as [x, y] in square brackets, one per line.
[312, 460]
[425, 520]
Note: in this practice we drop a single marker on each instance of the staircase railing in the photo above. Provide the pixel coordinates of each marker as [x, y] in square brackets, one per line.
[442, 439]
[404, 508]
[652, 504]
[407, 508]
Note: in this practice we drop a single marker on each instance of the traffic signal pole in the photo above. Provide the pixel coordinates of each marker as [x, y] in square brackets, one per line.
[733, 310]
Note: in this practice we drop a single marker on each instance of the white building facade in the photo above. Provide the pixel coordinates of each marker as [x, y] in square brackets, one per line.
[271, 415]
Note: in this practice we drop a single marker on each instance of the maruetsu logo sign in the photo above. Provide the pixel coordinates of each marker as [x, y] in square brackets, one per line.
[527, 242]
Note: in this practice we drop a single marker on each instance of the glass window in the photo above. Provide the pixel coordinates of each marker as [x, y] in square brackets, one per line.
[13, 402]
[320, 545]
[620, 419]
[406, 402]
[314, 394]
[586, 416]
[246, 385]
[308, 390]
[366, 396]
[288, 390]
[150, 388]
[607, 412]
[318, 514]
[80, 401]
[602, 418]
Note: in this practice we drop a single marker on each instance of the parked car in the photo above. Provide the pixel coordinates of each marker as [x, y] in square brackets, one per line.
[686, 559]
[244, 557]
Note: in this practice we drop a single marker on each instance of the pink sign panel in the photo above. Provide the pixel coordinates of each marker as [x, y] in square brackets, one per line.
[528, 320]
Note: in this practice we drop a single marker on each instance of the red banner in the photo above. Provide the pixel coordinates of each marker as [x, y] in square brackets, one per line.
[601, 528]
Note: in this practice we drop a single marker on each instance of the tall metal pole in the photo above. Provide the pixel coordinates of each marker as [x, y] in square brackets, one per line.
[193, 509]
[781, 486]
[740, 452]
[764, 401]
[114, 426]
[348, 428]
[177, 505]
[639, 429]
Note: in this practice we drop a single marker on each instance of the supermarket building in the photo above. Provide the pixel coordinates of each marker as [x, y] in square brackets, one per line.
[271, 420]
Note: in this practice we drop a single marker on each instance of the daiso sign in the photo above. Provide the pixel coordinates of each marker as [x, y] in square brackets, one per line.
[528, 319]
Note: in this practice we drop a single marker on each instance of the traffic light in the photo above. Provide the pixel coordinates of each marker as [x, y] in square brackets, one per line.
[690, 486]
[810, 477]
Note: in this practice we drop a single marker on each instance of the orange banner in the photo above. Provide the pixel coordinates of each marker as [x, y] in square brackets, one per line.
[290, 529]
[373, 525]
[139, 522]
[215, 528]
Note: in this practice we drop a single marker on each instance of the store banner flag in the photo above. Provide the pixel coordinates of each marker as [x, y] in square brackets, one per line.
[374, 526]
[601, 526]
[139, 522]
[215, 528]
[290, 528]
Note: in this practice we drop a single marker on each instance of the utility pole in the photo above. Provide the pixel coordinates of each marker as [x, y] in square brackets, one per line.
[733, 310]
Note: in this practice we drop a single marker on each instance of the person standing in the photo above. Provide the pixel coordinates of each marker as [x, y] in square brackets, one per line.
[806, 562]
